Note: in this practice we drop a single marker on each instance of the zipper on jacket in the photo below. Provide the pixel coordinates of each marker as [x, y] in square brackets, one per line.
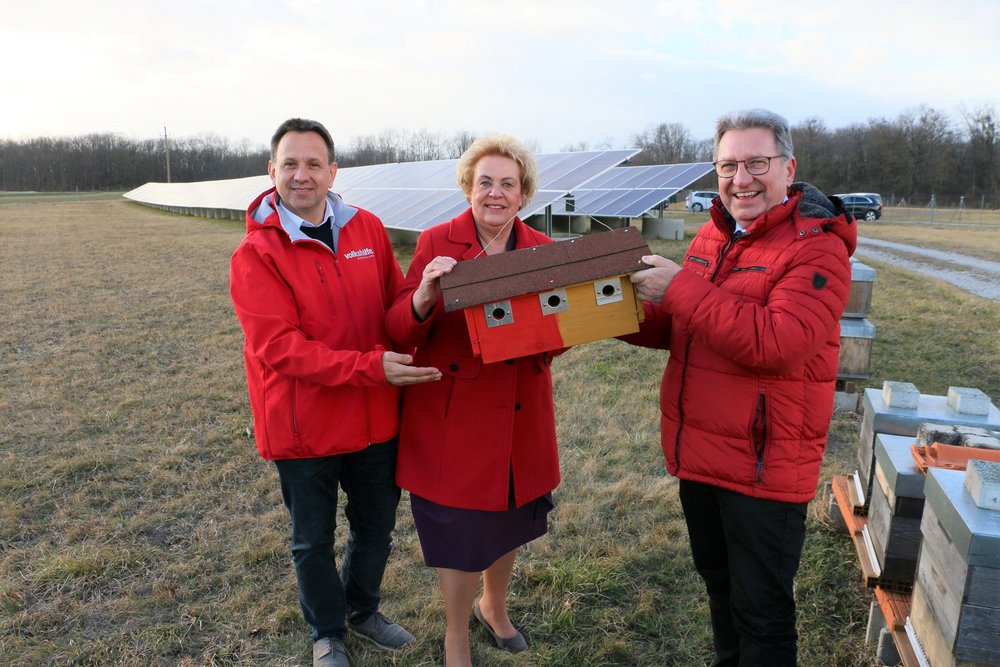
[687, 350]
[680, 405]
[722, 254]
[758, 435]
[739, 269]
[328, 289]
[295, 418]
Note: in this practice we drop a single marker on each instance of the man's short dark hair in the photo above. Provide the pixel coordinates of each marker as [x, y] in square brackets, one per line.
[303, 125]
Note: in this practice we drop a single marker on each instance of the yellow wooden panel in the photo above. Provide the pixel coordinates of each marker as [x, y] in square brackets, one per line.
[585, 321]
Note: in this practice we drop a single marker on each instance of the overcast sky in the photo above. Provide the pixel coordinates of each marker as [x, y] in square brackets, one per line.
[552, 73]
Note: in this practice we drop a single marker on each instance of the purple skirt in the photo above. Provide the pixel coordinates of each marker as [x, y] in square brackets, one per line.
[472, 540]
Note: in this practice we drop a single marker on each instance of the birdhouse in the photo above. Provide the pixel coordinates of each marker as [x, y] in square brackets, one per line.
[550, 296]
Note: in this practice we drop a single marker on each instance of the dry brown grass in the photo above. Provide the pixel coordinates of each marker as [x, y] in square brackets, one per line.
[139, 527]
[981, 241]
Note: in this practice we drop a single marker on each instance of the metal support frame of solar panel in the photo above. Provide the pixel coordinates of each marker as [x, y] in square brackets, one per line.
[628, 192]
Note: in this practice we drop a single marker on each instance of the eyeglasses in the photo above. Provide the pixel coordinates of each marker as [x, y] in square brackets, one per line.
[756, 166]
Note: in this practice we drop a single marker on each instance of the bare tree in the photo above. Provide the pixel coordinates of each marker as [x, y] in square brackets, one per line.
[919, 153]
[982, 155]
[666, 143]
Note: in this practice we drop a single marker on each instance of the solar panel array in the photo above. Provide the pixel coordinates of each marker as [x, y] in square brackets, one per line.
[407, 195]
[418, 195]
[233, 194]
[628, 192]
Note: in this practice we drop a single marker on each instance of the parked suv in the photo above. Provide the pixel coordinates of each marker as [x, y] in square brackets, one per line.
[863, 205]
[699, 200]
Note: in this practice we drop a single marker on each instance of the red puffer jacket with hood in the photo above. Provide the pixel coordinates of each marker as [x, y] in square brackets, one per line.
[314, 323]
[752, 325]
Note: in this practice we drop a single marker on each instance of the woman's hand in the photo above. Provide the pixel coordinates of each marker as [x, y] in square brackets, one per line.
[429, 290]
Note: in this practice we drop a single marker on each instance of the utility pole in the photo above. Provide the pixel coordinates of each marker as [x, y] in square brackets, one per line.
[166, 149]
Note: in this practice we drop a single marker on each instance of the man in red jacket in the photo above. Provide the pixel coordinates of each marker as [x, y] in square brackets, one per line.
[311, 283]
[751, 320]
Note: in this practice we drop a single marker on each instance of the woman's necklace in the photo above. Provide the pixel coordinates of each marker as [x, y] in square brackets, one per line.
[480, 238]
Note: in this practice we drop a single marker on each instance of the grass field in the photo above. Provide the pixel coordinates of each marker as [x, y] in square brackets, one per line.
[139, 527]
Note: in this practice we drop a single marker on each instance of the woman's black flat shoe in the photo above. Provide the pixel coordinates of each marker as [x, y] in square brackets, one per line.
[514, 644]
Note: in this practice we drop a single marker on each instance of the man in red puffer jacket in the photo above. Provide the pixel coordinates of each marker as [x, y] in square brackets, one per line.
[751, 320]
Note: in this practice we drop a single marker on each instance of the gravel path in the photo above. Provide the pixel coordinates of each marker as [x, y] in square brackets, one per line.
[978, 276]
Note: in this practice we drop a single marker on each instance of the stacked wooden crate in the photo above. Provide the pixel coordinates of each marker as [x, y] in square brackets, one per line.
[856, 332]
[856, 336]
[899, 409]
[884, 508]
[955, 606]
[897, 504]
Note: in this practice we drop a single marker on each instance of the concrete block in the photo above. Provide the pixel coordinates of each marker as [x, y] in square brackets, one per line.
[969, 401]
[982, 481]
[836, 518]
[981, 441]
[929, 433]
[970, 431]
[845, 401]
[876, 623]
[886, 650]
[900, 394]
[663, 228]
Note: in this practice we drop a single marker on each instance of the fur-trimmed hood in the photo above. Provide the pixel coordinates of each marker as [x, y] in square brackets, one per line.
[812, 209]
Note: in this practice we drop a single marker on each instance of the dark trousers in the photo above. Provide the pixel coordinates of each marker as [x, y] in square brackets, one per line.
[747, 550]
[309, 488]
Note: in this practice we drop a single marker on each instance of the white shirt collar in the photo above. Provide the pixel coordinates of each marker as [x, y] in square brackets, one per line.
[301, 222]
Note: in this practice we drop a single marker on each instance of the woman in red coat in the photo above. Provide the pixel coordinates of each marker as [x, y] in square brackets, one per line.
[477, 450]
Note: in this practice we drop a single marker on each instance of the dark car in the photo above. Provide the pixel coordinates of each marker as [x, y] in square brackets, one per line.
[863, 205]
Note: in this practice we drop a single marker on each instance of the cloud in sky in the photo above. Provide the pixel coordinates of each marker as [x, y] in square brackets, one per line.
[553, 73]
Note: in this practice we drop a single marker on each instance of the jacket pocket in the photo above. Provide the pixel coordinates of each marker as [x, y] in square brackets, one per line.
[758, 435]
[293, 413]
[326, 286]
[698, 260]
[460, 373]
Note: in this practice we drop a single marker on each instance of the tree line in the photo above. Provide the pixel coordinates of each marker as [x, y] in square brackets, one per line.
[919, 157]
[919, 154]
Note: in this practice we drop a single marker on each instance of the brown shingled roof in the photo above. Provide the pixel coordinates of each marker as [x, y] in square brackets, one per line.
[544, 267]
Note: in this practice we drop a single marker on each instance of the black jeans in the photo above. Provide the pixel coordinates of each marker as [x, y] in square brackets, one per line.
[747, 550]
[309, 488]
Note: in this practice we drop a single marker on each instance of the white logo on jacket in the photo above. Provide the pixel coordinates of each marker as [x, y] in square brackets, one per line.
[364, 252]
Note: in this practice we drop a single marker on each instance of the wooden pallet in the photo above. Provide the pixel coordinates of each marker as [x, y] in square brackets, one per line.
[847, 501]
[843, 492]
[895, 608]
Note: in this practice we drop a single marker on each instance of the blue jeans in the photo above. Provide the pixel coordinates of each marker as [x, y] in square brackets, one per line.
[747, 550]
[309, 488]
